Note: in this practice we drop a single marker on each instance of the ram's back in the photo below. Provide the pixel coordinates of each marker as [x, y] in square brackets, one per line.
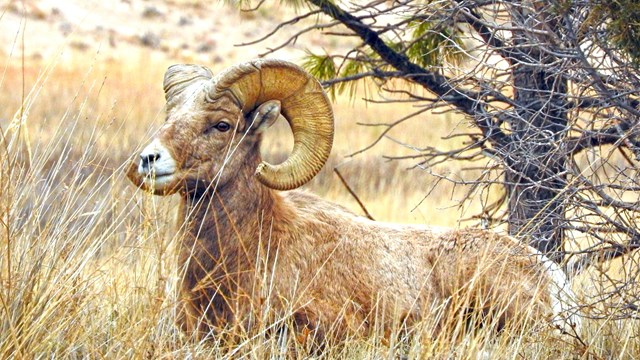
[353, 269]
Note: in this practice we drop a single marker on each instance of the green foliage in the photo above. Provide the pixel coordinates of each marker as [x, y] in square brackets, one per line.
[429, 46]
[432, 45]
[351, 68]
[622, 18]
[322, 67]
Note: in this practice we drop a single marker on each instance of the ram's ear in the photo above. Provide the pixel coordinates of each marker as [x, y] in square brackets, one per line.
[265, 115]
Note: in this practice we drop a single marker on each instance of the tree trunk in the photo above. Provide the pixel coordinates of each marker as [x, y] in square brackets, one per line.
[536, 162]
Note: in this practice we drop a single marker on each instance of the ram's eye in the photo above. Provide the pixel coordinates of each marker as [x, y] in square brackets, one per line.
[221, 126]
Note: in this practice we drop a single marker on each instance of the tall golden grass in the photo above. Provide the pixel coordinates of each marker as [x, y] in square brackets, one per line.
[88, 264]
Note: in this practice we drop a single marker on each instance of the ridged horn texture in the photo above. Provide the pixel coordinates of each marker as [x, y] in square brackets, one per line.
[303, 103]
[179, 77]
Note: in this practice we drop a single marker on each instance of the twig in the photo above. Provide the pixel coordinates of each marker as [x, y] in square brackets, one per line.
[376, 74]
[344, 182]
[254, 8]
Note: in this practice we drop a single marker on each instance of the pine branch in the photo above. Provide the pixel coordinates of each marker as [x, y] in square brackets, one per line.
[466, 101]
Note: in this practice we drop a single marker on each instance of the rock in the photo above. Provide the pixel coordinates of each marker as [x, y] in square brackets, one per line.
[184, 21]
[151, 12]
[56, 13]
[79, 45]
[206, 46]
[65, 27]
[150, 39]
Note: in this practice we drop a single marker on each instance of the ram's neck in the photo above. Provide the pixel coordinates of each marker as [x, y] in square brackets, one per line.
[226, 230]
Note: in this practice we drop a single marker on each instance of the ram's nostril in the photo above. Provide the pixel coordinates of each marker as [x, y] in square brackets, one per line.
[147, 159]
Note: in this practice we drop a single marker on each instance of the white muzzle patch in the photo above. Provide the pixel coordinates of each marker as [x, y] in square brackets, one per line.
[156, 164]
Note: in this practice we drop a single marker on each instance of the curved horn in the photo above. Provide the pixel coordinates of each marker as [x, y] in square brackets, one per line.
[304, 104]
[179, 77]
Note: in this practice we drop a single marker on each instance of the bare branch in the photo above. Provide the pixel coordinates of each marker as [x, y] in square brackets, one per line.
[376, 74]
[346, 185]
[280, 26]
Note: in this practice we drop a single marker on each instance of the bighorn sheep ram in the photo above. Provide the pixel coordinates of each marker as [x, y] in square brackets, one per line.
[331, 271]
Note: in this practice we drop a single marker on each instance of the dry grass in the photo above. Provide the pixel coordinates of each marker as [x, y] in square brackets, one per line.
[88, 264]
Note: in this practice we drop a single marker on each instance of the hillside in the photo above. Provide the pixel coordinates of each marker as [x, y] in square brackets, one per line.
[206, 32]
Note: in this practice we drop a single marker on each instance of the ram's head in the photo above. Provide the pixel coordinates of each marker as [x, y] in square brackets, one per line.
[214, 122]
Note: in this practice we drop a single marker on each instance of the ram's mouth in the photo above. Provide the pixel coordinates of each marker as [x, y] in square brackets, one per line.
[158, 179]
[155, 175]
